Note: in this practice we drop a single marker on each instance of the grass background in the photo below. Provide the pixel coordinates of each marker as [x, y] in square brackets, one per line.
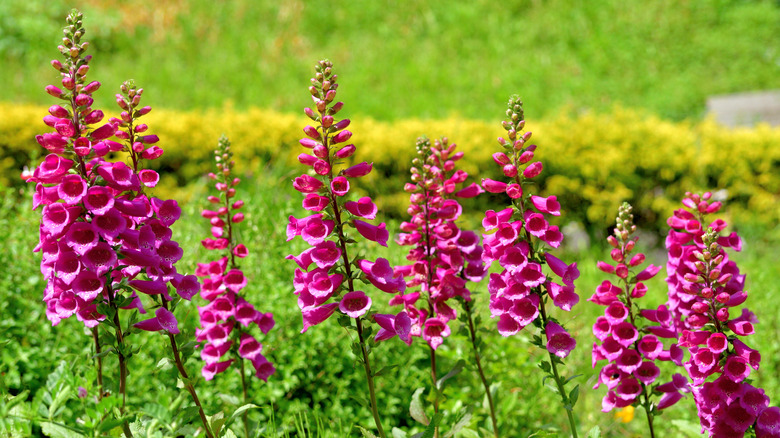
[427, 59]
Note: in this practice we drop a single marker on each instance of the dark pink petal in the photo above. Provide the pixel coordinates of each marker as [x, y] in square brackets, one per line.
[317, 315]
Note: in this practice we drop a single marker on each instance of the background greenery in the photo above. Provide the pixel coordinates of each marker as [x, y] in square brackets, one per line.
[441, 68]
[317, 376]
[428, 59]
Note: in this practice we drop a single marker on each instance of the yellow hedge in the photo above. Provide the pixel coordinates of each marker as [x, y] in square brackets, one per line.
[592, 161]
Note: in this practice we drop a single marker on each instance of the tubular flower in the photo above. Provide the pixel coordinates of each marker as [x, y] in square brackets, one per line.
[228, 314]
[443, 256]
[629, 348]
[515, 238]
[704, 287]
[98, 227]
[516, 235]
[318, 283]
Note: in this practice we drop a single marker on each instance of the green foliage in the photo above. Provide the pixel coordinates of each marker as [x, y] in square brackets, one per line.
[310, 395]
[430, 59]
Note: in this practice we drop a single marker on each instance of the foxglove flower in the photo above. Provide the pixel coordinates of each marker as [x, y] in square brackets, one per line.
[515, 238]
[443, 256]
[704, 288]
[325, 278]
[629, 347]
[228, 311]
[107, 241]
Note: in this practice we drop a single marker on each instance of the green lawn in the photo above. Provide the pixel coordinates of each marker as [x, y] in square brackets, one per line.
[316, 379]
[426, 59]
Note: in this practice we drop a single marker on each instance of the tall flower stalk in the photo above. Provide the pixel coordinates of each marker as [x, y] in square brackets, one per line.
[630, 348]
[326, 270]
[516, 239]
[704, 287]
[100, 235]
[443, 256]
[227, 320]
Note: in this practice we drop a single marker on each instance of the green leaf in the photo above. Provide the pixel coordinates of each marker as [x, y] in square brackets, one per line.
[545, 366]
[109, 423]
[398, 433]
[463, 421]
[595, 432]
[243, 409]
[164, 363]
[56, 430]
[454, 371]
[103, 353]
[416, 408]
[430, 431]
[216, 422]
[19, 398]
[366, 433]
[572, 378]
[384, 370]
[574, 395]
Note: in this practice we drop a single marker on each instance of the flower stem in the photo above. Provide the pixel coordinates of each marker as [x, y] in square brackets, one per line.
[478, 361]
[187, 383]
[369, 378]
[245, 416]
[648, 411]
[557, 377]
[99, 361]
[120, 339]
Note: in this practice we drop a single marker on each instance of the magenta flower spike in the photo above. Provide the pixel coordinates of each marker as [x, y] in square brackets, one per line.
[227, 321]
[704, 288]
[103, 240]
[324, 281]
[629, 347]
[443, 257]
[515, 238]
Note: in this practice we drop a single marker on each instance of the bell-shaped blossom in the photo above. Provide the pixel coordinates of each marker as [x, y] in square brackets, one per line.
[223, 281]
[163, 320]
[559, 341]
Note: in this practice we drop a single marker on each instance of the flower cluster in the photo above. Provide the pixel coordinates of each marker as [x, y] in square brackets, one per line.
[99, 232]
[321, 276]
[443, 256]
[516, 239]
[703, 286]
[631, 350]
[223, 282]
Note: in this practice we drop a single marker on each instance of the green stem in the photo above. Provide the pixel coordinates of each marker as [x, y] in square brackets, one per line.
[369, 378]
[122, 359]
[478, 361]
[187, 383]
[557, 377]
[99, 361]
[245, 416]
[648, 411]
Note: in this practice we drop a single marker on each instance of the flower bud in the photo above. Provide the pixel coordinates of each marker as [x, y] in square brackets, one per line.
[68, 83]
[321, 151]
[54, 91]
[723, 297]
[533, 170]
[510, 170]
[723, 315]
[346, 151]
